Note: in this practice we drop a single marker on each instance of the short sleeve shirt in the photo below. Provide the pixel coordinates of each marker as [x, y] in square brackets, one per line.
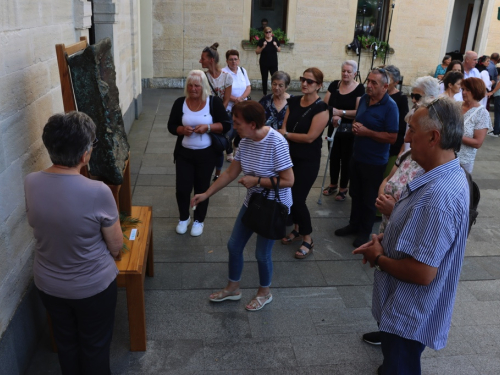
[274, 118]
[220, 84]
[265, 158]
[269, 55]
[240, 83]
[67, 213]
[474, 119]
[344, 101]
[380, 117]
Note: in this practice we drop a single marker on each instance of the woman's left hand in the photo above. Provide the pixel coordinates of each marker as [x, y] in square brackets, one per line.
[249, 181]
[282, 130]
[201, 129]
[385, 204]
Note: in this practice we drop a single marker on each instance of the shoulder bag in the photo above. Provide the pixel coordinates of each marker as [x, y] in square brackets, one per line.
[243, 72]
[267, 217]
[220, 142]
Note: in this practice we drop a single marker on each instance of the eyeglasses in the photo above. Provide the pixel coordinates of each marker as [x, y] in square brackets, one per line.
[209, 51]
[431, 104]
[94, 142]
[268, 32]
[384, 72]
[234, 59]
[280, 85]
[309, 81]
[417, 97]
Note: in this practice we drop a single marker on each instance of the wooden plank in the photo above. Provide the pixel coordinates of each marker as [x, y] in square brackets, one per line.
[77, 47]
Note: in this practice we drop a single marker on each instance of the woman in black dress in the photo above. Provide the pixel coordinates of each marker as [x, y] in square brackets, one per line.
[342, 98]
[303, 126]
[268, 49]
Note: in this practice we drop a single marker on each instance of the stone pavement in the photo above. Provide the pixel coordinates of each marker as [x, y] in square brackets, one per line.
[321, 305]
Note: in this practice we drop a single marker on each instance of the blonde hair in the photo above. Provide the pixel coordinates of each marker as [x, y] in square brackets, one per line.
[199, 77]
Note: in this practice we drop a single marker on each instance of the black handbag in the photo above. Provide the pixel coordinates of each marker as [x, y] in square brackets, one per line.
[267, 217]
[220, 142]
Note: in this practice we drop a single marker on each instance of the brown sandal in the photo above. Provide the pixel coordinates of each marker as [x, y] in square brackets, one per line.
[301, 253]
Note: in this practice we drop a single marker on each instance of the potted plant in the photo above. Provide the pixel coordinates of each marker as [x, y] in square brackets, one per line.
[369, 42]
[256, 35]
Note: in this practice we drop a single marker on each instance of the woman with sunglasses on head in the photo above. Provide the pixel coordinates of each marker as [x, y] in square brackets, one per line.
[477, 121]
[268, 49]
[305, 120]
[220, 84]
[342, 97]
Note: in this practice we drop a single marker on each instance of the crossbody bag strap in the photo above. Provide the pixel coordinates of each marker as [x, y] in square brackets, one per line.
[215, 92]
[473, 113]
[305, 113]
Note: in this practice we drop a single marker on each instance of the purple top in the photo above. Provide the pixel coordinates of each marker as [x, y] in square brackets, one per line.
[67, 213]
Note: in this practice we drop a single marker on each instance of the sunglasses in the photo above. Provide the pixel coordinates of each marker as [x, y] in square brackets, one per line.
[209, 51]
[309, 81]
[94, 142]
[417, 97]
[384, 72]
[268, 32]
[431, 104]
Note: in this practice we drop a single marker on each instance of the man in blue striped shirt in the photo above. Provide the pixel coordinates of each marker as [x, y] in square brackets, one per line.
[419, 257]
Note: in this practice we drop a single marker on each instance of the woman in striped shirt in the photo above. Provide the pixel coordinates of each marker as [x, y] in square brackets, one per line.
[263, 154]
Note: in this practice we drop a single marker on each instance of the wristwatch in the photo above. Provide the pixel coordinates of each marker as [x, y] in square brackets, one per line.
[208, 131]
[375, 263]
[285, 135]
[258, 182]
[343, 113]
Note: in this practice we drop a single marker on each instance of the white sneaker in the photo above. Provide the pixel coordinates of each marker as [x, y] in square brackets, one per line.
[182, 227]
[197, 229]
[491, 134]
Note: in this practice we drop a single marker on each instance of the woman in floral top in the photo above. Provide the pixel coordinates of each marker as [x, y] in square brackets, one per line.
[275, 104]
[405, 170]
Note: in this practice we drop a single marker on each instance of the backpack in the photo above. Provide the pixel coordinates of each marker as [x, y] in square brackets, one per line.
[475, 196]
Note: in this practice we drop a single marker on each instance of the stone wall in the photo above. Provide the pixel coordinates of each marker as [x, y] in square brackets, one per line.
[29, 94]
[319, 29]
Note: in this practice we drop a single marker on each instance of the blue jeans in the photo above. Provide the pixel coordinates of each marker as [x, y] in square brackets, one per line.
[496, 121]
[263, 251]
[401, 356]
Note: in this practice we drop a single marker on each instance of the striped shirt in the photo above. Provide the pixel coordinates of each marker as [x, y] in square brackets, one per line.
[428, 223]
[265, 158]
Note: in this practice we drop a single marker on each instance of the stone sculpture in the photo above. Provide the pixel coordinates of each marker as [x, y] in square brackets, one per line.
[96, 94]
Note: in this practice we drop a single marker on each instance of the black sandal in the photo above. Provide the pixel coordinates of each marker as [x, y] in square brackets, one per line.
[330, 190]
[341, 196]
[302, 254]
[288, 240]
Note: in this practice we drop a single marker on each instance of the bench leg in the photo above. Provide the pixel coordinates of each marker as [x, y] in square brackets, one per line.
[150, 268]
[136, 313]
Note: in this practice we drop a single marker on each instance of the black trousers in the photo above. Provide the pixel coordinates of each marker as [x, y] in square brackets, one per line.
[365, 181]
[263, 71]
[340, 158]
[305, 173]
[82, 330]
[193, 169]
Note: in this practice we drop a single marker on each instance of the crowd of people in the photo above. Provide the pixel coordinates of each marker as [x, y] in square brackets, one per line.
[406, 163]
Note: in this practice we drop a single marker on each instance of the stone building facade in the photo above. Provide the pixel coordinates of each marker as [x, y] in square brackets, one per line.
[319, 30]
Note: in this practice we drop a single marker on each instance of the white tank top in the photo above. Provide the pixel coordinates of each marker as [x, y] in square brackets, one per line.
[201, 117]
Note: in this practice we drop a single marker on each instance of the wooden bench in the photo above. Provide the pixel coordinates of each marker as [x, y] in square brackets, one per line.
[133, 267]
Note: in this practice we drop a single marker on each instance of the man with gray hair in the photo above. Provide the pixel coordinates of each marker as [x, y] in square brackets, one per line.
[375, 128]
[470, 61]
[419, 257]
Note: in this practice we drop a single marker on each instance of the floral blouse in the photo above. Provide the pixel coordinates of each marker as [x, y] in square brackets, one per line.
[407, 170]
[474, 119]
[274, 119]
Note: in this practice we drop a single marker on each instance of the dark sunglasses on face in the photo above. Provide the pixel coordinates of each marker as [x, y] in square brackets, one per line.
[309, 81]
[268, 32]
[417, 97]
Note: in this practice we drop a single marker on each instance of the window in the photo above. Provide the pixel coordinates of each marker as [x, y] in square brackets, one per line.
[274, 11]
[372, 18]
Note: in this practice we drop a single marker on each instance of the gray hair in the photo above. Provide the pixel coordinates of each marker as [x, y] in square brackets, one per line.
[383, 73]
[199, 77]
[393, 72]
[445, 116]
[430, 87]
[352, 63]
[281, 76]
[67, 137]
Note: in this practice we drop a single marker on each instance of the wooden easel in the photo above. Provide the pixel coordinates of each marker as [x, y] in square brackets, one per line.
[137, 262]
[123, 192]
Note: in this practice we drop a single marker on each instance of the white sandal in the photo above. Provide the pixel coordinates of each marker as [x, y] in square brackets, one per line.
[224, 295]
[258, 303]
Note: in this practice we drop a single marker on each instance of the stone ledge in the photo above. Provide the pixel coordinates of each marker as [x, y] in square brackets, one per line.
[285, 48]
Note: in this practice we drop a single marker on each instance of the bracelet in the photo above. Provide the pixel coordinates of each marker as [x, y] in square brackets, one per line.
[258, 182]
[208, 131]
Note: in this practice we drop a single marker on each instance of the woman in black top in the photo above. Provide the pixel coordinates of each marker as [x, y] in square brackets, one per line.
[268, 49]
[343, 98]
[303, 126]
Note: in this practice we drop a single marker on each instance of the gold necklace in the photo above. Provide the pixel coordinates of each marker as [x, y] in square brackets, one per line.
[194, 110]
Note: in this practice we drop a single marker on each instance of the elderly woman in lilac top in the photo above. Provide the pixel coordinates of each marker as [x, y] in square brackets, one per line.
[78, 237]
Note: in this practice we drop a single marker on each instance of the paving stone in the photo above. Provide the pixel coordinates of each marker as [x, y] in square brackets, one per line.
[484, 290]
[457, 365]
[486, 364]
[344, 273]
